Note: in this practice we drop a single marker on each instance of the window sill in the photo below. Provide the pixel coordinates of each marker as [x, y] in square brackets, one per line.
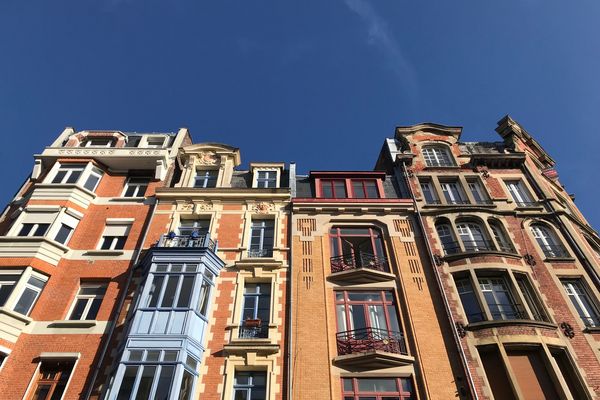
[469, 254]
[507, 322]
[529, 208]
[592, 329]
[104, 252]
[128, 199]
[559, 259]
[73, 324]
[23, 318]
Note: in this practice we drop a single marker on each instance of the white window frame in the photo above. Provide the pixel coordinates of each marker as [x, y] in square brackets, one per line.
[205, 177]
[574, 296]
[437, 156]
[469, 231]
[145, 142]
[21, 285]
[137, 186]
[257, 180]
[453, 192]
[36, 217]
[88, 141]
[479, 194]
[519, 193]
[125, 227]
[427, 187]
[69, 170]
[89, 170]
[89, 300]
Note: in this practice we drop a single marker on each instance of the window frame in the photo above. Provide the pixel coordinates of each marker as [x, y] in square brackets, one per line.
[480, 195]
[437, 155]
[453, 196]
[548, 241]
[37, 379]
[85, 177]
[427, 187]
[247, 388]
[518, 191]
[386, 303]
[89, 300]
[210, 176]
[137, 186]
[357, 394]
[331, 183]
[21, 284]
[265, 182]
[365, 193]
[592, 315]
[117, 243]
[262, 247]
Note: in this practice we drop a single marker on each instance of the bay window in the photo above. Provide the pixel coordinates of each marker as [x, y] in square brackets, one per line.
[266, 179]
[549, 243]
[20, 290]
[378, 389]
[85, 175]
[472, 236]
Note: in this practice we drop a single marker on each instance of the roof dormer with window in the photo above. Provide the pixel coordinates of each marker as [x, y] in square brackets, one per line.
[266, 175]
[207, 165]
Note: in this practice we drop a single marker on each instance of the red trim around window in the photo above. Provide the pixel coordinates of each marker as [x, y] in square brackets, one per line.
[401, 393]
[329, 188]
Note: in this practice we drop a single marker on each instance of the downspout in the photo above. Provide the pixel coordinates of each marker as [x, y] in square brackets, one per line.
[438, 279]
[119, 307]
[290, 274]
[582, 258]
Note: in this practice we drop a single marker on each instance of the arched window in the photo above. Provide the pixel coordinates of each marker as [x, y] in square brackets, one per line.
[473, 237]
[447, 238]
[437, 156]
[548, 241]
[501, 237]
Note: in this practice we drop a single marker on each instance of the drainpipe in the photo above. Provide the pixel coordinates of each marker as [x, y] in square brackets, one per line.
[292, 183]
[113, 323]
[438, 279]
[582, 258]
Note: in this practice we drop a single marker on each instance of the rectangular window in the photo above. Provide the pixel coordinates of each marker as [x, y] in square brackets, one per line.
[266, 179]
[531, 298]
[453, 192]
[68, 173]
[428, 192]
[496, 374]
[532, 376]
[333, 189]
[206, 178]
[469, 301]
[64, 233]
[52, 380]
[378, 389]
[198, 227]
[114, 237]
[88, 300]
[256, 311]
[261, 238]
[8, 282]
[153, 381]
[171, 291]
[478, 192]
[155, 142]
[30, 294]
[91, 183]
[584, 304]
[499, 298]
[250, 385]
[364, 189]
[34, 229]
[136, 187]
[519, 193]
[569, 372]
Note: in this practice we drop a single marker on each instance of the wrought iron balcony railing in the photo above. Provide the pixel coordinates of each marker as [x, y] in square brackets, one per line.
[172, 240]
[347, 262]
[258, 253]
[370, 339]
[254, 332]
[502, 312]
[458, 201]
[555, 251]
[469, 246]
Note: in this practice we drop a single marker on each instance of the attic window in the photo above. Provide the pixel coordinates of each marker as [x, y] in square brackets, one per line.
[98, 142]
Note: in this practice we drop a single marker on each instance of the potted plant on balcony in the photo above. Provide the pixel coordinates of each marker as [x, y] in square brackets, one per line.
[252, 322]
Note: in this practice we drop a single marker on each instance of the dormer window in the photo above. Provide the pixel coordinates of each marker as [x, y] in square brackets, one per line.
[364, 189]
[349, 188]
[156, 142]
[333, 189]
[99, 142]
[206, 178]
[437, 156]
[266, 179]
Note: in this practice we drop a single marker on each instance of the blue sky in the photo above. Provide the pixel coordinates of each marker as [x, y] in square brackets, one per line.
[319, 82]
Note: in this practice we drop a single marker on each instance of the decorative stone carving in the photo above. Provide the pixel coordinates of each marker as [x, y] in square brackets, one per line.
[438, 260]
[263, 208]
[204, 207]
[207, 158]
[185, 206]
[529, 259]
[483, 170]
[460, 329]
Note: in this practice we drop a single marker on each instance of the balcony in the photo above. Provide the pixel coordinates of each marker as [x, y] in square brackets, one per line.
[453, 250]
[371, 348]
[260, 253]
[360, 268]
[187, 241]
[555, 251]
[507, 314]
[254, 331]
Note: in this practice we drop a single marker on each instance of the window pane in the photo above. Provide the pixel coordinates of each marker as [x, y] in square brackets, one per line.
[63, 234]
[74, 176]
[59, 176]
[164, 382]
[377, 385]
[91, 182]
[143, 391]
[25, 229]
[340, 189]
[93, 311]
[185, 392]
[186, 292]
[357, 188]
[26, 301]
[169, 295]
[127, 383]
[157, 284]
[78, 309]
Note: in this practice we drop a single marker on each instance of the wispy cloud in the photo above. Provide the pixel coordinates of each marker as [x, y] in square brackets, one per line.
[380, 36]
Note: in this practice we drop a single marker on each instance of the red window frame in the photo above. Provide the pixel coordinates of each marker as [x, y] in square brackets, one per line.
[331, 183]
[383, 301]
[52, 376]
[365, 194]
[400, 394]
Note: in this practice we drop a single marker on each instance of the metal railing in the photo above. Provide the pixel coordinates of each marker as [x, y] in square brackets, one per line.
[459, 201]
[347, 262]
[527, 203]
[469, 246]
[555, 251]
[484, 201]
[508, 311]
[254, 332]
[370, 339]
[172, 240]
[259, 253]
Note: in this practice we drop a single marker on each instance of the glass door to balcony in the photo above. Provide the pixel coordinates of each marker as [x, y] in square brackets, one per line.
[357, 248]
[499, 298]
[368, 321]
[255, 314]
